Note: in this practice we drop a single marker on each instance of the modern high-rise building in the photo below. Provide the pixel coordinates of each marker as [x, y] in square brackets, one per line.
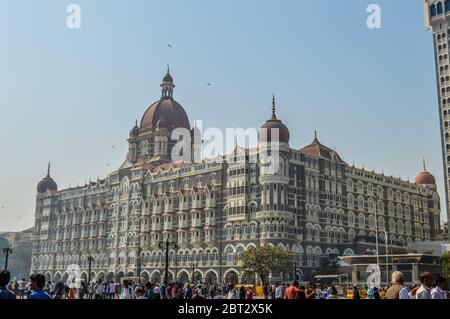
[314, 205]
[437, 20]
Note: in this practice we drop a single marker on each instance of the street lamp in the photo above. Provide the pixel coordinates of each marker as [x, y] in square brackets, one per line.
[90, 260]
[7, 251]
[166, 245]
[294, 269]
[194, 264]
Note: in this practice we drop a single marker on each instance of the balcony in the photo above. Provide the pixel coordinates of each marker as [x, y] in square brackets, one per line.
[156, 210]
[183, 206]
[156, 227]
[210, 203]
[169, 208]
[210, 221]
[183, 224]
[168, 226]
[196, 223]
[197, 204]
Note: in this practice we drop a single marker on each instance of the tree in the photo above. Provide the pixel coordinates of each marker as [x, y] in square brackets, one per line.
[445, 264]
[264, 260]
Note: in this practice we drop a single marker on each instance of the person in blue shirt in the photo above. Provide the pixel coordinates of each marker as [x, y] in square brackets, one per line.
[37, 284]
[5, 293]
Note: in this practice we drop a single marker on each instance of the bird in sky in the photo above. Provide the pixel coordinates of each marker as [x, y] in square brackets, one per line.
[113, 146]
[169, 45]
[208, 84]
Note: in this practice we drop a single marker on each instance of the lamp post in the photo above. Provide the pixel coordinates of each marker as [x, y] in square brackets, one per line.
[90, 260]
[166, 245]
[7, 251]
[194, 264]
[294, 270]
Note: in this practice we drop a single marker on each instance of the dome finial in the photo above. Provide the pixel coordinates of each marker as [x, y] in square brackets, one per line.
[315, 134]
[48, 170]
[168, 68]
[424, 165]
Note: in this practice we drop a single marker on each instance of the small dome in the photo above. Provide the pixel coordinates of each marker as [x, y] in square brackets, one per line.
[265, 132]
[425, 177]
[134, 131]
[47, 183]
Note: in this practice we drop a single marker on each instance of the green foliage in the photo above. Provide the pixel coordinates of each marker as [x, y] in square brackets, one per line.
[264, 260]
[445, 263]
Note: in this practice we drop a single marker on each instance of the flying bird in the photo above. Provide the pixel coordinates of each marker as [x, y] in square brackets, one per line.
[208, 84]
[169, 45]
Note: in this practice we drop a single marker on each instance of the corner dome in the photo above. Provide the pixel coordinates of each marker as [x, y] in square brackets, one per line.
[134, 131]
[425, 178]
[47, 183]
[265, 132]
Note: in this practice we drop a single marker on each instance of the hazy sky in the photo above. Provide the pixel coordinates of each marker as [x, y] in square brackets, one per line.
[69, 95]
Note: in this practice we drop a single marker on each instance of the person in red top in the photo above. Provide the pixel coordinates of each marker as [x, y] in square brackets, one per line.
[292, 291]
[249, 293]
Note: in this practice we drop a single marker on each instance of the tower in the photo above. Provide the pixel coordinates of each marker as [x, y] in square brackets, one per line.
[437, 20]
[273, 149]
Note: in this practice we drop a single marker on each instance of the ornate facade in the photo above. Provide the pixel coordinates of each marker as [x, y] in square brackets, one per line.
[314, 205]
[437, 20]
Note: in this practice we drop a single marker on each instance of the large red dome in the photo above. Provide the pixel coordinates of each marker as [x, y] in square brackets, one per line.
[174, 115]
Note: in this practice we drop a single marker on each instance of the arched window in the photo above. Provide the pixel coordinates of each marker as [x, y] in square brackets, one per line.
[433, 10]
[351, 219]
[361, 221]
[439, 8]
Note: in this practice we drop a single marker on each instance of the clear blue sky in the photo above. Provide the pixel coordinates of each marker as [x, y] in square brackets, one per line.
[70, 95]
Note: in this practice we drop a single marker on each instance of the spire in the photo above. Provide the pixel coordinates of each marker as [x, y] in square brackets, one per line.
[168, 68]
[274, 116]
[315, 135]
[48, 170]
[424, 165]
[135, 124]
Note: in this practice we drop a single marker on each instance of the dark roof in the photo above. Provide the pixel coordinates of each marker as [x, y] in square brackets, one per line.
[317, 149]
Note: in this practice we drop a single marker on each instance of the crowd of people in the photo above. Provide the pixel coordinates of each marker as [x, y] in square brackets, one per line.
[37, 288]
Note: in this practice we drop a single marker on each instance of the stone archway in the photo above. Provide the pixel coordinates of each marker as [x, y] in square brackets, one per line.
[48, 276]
[119, 276]
[156, 277]
[183, 277]
[110, 276]
[57, 277]
[211, 277]
[198, 276]
[232, 277]
[145, 277]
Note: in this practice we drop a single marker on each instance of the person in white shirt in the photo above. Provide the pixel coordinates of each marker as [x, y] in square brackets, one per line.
[279, 292]
[424, 292]
[98, 289]
[112, 290]
[440, 291]
[127, 291]
[232, 293]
